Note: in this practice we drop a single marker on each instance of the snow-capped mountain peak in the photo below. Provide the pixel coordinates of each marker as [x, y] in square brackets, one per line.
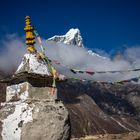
[72, 37]
[73, 32]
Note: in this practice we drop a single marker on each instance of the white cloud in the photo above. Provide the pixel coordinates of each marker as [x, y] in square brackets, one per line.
[13, 49]
[76, 57]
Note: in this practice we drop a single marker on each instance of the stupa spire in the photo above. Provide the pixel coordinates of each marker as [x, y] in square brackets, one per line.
[30, 38]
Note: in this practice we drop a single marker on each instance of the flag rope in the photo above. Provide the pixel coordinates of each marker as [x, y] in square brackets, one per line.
[46, 60]
[53, 71]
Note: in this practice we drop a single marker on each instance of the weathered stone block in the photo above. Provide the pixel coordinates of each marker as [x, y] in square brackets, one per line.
[17, 92]
[42, 93]
[25, 90]
[37, 120]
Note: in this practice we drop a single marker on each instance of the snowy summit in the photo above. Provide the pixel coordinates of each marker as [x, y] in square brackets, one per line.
[72, 37]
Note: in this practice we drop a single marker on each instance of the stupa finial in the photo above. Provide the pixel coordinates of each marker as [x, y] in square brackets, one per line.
[30, 39]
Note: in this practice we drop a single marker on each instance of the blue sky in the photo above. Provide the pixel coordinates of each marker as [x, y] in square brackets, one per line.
[104, 24]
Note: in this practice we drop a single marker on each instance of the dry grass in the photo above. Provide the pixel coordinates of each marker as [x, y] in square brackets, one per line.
[126, 136]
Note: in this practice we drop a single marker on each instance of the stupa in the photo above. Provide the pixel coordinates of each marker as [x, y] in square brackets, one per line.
[32, 110]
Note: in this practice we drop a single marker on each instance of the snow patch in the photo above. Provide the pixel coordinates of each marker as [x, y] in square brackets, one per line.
[24, 96]
[31, 62]
[18, 91]
[11, 129]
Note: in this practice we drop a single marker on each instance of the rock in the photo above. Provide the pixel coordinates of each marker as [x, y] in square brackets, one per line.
[50, 122]
[33, 113]
[44, 120]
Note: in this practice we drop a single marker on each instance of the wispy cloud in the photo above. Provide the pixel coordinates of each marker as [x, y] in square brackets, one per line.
[76, 57]
[13, 48]
[11, 52]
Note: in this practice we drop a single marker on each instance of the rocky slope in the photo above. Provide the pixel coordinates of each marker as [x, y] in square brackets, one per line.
[100, 109]
[2, 92]
[2, 88]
